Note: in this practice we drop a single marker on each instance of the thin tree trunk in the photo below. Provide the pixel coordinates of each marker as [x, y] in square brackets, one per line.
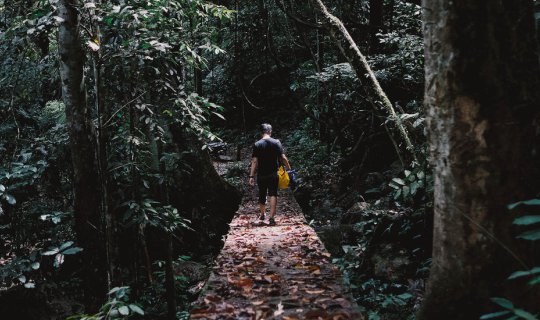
[482, 100]
[139, 231]
[375, 23]
[169, 280]
[102, 158]
[198, 80]
[170, 286]
[359, 64]
[85, 182]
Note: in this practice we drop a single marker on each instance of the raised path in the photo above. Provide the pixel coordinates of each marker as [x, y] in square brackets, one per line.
[274, 272]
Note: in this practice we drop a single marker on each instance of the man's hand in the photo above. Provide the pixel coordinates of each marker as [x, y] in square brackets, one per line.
[254, 163]
[285, 161]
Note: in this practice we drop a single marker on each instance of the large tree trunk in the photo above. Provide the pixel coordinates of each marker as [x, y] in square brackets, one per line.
[85, 181]
[363, 71]
[211, 200]
[482, 82]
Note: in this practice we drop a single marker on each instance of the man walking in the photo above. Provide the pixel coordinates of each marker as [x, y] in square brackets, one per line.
[267, 154]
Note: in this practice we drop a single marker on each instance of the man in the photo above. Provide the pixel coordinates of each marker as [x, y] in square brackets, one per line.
[267, 154]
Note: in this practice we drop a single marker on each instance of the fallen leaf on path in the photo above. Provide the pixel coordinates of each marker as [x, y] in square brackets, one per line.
[315, 291]
[279, 310]
[211, 298]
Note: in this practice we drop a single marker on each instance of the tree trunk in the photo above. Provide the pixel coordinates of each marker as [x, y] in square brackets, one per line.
[202, 190]
[359, 64]
[85, 181]
[198, 80]
[169, 279]
[482, 81]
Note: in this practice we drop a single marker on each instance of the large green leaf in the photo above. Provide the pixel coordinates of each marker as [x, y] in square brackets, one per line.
[532, 202]
[524, 314]
[532, 235]
[136, 309]
[123, 310]
[505, 303]
[527, 220]
[519, 274]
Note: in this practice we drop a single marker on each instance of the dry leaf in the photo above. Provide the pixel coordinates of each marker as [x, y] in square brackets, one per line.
[315, 291]
[279, 310]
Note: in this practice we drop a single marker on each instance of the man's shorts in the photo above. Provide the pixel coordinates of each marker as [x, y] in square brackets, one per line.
[267, 184]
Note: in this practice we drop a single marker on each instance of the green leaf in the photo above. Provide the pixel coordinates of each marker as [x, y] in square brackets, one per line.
[73, 250]
[534, 281]
[65, 245]
[532, 235]
[524, 314]
[35, 265]
[22, 278]
[58, 260]
[405, 296]
[30, 285]
[519, 274]
[10, 199]
[123, 310]
[51, 252]
[494, 315]
[406, 191]
[527, 220]
[2, 188]
[532, 202]
[136, 309]
[399, 181]
[414, 188]
[108, 20]
[113, 290]
[503, 303]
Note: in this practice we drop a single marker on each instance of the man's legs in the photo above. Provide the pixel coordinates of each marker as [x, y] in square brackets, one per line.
[263, 188]
[262, 208]
[273, 204]
[272, 194]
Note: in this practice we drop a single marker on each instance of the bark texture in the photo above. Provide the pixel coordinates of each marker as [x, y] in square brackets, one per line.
[211, 200]
[85, 181]
[482, 83]
[363, 71]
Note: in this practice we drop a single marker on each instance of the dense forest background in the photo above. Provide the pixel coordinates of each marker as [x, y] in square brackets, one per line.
[113, 112]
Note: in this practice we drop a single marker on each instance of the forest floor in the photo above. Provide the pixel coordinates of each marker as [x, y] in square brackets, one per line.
[274, 272]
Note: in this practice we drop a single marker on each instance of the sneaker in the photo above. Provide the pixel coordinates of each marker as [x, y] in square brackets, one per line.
[261, 217]
[271, 222]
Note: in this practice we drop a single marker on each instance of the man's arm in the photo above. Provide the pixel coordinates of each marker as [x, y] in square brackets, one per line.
[285, 161]
[254, 163]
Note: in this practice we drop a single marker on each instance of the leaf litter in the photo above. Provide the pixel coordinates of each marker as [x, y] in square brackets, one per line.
[274, 272]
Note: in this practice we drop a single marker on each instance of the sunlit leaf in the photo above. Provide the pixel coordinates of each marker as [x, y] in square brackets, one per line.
[123, 310]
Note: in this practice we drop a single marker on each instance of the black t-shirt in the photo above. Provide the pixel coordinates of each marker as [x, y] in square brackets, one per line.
[268, 153]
